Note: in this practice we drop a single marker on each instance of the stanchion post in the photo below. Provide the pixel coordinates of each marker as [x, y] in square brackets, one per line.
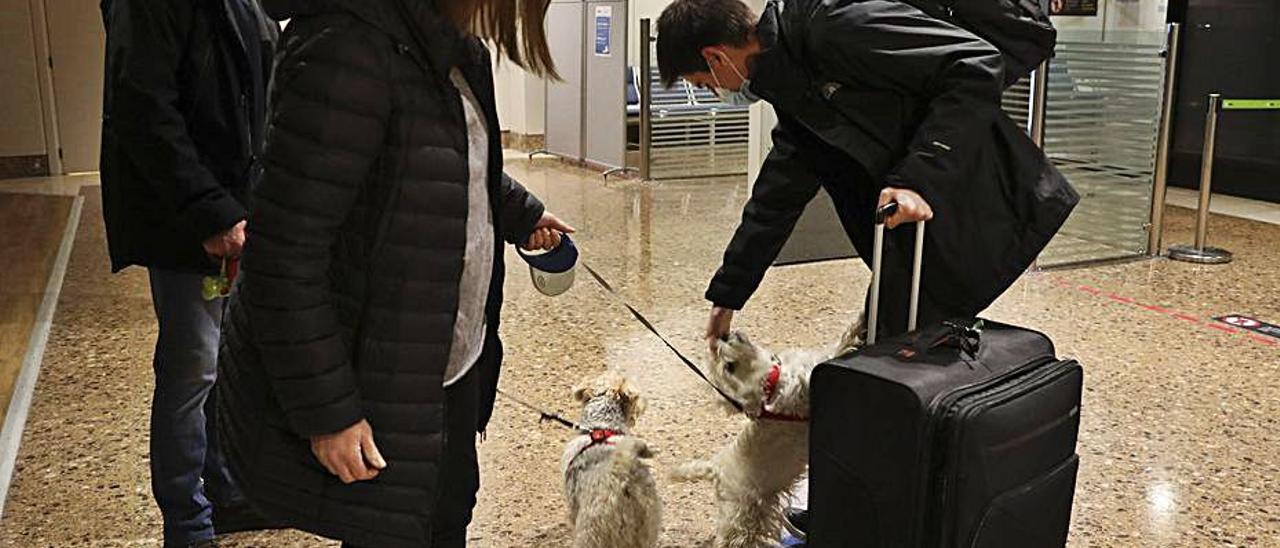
[1036, 116]
[1160, 189]
[1199, 252]
[646, 97]
[1039, 99]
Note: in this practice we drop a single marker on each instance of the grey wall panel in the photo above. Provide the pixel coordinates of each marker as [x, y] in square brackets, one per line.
[565, 19]
[605, 83]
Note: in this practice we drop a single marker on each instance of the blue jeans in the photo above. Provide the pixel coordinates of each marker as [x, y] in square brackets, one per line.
[188, 473]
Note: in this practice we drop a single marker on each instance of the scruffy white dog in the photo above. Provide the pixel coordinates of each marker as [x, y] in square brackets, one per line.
[613, 499]
[753, 474]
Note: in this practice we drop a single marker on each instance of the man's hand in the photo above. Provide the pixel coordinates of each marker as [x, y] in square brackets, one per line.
[718, 326]
[228, 243]
[911, 207]
[349, 454]
[546, 234]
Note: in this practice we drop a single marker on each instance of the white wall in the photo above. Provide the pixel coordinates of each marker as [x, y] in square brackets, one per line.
[521, 99]
[21, 115]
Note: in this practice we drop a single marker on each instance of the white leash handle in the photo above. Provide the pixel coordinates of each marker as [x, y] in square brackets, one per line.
[877, 262]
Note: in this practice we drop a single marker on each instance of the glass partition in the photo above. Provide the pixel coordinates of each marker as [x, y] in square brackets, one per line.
[1102, 122]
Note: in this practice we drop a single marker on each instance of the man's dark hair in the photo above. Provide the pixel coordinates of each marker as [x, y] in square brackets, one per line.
[687, 26]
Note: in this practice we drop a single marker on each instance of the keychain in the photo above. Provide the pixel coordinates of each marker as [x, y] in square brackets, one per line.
[220, 286]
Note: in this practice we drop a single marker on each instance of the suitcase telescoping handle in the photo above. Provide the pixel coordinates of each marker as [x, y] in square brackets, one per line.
[877, 259]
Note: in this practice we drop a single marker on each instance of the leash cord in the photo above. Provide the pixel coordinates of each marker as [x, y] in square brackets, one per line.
[649, 325]
[543, 414]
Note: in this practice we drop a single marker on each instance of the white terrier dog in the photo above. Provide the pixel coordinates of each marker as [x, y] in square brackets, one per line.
[613, 499]
[754, 474]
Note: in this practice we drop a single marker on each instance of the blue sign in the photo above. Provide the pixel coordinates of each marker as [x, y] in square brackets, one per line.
[604, 30]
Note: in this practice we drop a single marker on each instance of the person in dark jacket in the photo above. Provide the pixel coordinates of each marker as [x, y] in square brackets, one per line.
[877, 102]
[361, 351]
[183, 112]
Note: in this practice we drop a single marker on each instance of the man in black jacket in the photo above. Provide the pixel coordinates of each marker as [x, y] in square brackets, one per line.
[182, 125]
[876, 102]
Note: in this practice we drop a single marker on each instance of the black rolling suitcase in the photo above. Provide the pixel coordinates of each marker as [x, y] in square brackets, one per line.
[957, 434]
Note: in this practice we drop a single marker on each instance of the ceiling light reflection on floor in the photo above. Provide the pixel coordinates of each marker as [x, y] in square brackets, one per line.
[1162, 505]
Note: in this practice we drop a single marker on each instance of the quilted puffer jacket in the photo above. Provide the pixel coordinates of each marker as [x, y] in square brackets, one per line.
[349, 282]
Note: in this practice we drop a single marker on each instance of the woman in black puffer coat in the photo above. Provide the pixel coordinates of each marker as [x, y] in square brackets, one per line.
[360, 353]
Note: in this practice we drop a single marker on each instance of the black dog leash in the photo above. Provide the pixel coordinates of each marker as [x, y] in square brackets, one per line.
[649, 325]
[545, 415]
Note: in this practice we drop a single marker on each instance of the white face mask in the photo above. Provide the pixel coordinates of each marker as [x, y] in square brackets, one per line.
[740, 97]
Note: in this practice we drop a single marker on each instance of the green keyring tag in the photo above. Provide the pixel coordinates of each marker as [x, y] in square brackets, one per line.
[215, 287]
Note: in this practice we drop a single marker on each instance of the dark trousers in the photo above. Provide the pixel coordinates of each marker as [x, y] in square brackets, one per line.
[188, 473]
[459, 469]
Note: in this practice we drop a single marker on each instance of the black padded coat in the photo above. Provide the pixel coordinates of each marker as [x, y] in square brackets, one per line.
[349, 286]
[179, 138]
[874, 93]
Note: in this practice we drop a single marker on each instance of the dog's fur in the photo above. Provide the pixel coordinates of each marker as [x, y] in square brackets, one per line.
[612, 497]
[754, 474]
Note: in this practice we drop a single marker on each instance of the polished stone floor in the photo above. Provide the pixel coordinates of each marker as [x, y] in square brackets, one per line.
[1180, 441]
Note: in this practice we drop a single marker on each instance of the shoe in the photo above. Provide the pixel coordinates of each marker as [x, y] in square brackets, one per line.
[797, 522]
[207, 543]
[241, 517]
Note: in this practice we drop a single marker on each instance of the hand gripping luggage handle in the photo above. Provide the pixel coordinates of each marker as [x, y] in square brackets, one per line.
[877, 258]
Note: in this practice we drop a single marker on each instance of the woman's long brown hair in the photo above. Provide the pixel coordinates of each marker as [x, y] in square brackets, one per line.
[516, 28]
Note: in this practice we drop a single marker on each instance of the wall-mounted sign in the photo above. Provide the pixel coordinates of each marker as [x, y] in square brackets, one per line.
[1073, 7]
[604, 30]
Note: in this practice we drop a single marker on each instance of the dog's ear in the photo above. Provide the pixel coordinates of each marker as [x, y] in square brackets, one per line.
[632, 403]
[582, 394]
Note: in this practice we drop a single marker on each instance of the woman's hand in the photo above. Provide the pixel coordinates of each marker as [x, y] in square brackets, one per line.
[349, 454]
[546, 234]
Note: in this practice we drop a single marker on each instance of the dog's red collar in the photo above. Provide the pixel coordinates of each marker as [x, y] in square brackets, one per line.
[599, 436]
[771, 390]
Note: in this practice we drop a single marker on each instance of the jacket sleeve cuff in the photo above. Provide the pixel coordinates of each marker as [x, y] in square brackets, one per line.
[329, 419]
[724, 295]
[210, 218]
[532, 214]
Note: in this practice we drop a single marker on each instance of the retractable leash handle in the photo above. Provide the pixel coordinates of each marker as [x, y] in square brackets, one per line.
[877, 262]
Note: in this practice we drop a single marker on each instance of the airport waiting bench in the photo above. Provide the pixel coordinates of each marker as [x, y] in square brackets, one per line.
[691, 130]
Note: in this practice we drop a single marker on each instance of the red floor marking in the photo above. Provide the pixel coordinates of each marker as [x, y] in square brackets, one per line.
[1067, 284]
[1263, 340]
[1120, 299]
[1222, 328]
[1155, 308]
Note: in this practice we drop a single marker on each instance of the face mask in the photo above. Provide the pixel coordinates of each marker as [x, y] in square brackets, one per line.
[741, 97]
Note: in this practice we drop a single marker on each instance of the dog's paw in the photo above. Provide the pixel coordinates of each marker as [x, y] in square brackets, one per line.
[693, 471]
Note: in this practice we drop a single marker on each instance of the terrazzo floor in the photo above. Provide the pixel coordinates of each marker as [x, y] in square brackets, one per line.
[1180, 441]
